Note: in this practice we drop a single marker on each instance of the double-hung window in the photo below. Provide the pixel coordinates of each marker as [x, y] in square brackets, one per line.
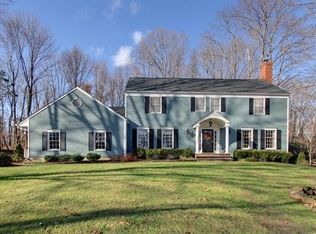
[259, 106]
[270, 139]
[99, 140]
[167, 138]
[246, 138]
[216, 104]
[143, 138]
[53, 139]
[155, 104]
[200, 104]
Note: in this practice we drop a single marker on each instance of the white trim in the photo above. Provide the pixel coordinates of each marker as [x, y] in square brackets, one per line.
[99, 131]
[219, 103]
[204, 108]
[213, 115]
[143, 128]
[125, 138]
[288, 125]
[64, 95]
[160, 104]
[251, 138]
[50, 131]
[275, 138]
[80, 104]
[200, 94]
[161, 137]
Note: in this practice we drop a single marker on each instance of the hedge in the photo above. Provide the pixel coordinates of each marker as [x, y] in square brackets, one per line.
[170, 154]
[5, 160]
[265, 156]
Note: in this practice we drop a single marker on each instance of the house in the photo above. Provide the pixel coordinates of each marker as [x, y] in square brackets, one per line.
[214, 116]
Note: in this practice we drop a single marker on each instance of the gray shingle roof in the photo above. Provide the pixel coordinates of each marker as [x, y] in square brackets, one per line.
[210, 86]
[119, 110]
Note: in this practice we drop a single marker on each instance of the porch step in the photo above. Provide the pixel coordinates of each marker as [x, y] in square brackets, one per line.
[213, 157]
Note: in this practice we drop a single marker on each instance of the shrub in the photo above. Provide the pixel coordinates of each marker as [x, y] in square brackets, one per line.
[65, 158]
[301, 159]
[151, 153]
[77, 158]
[18, 155]
[5, 160]
[51, 158]
[140, 153]
[93, 157]
[187, 153]
[264, 155]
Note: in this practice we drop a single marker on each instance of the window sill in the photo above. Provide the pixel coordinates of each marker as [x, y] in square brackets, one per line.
[53, 150]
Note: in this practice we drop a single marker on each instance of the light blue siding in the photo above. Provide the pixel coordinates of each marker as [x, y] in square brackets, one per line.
[179, 116]
[77, 123]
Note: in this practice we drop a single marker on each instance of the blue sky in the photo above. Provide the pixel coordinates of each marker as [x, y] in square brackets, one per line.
[109, 29]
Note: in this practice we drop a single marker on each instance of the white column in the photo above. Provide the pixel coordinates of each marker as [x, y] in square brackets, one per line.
[227, 139]
[197, 138]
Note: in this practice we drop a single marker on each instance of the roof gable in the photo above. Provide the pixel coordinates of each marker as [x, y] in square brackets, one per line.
[25, 121]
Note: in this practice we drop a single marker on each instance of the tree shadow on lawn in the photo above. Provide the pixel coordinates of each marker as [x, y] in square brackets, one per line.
[256, 167]
[127, 212]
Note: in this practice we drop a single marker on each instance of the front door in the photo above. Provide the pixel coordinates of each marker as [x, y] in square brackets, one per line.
[207, 140]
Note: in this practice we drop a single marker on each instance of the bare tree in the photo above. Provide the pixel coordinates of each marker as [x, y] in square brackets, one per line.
[161, 54]
[281, 30]
[101, 79]
[33, 46]
[75, 66]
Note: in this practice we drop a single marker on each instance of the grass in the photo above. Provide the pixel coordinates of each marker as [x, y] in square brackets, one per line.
[155, 197]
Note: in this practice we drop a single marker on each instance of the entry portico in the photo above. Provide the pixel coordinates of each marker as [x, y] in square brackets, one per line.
[207, 134]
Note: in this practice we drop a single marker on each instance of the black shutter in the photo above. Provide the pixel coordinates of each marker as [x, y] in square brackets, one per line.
[44, 141]
[164, 105]
[134, 138]
[63, 141]
[255, 139]
[262, 139]
[146, 104]
[151, 138]
[175, 138]
[279, 144]
[267, 107]
[158, 138]
[238, 138]
[91, 141]
[223, 104]
[250, 106]
[108, 141]
[192, 104]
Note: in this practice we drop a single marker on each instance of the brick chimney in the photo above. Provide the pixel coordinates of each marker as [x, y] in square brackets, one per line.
[266, 71]
[87, 88]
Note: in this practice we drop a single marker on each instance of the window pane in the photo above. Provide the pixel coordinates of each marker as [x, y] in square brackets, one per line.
[53, 140]
[99, 140]
[270, 139]
[246, 139]
[199, 104]
[215, 104]
[142, 138]
[167, 135]
[258, 106]
[155, 104]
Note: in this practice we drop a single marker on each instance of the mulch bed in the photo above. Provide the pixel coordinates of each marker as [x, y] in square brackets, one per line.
[305, 195]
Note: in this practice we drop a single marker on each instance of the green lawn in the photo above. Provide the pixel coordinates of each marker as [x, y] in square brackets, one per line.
[155, 197]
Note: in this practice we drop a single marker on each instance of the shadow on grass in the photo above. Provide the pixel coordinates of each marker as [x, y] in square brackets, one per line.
[109, 213]
[257, 167]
